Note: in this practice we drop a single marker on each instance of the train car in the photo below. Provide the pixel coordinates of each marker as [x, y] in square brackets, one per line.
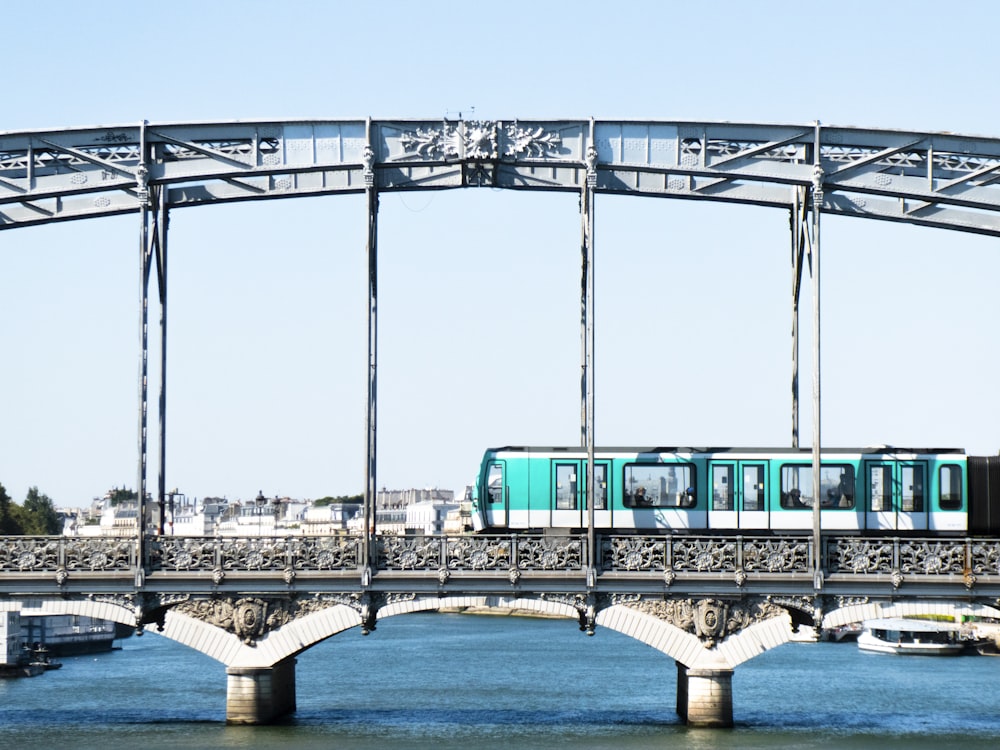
[876, 490]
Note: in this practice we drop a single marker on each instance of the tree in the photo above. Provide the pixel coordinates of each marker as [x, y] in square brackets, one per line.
[39, 515]
[347, 499]
[9, 523]
[123, 496]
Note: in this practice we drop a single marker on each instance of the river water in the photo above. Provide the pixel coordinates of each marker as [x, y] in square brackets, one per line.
[449, 681]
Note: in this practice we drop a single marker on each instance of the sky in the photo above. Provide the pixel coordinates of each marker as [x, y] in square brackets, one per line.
[479, 340]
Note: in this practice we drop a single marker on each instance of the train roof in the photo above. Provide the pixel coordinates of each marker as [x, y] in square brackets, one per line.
[755, 450]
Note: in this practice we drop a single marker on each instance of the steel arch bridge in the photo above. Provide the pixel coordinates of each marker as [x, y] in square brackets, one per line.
[938, 180]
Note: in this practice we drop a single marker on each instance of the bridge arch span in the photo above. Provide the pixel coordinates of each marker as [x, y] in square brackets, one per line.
[859, 612]
[120, 612]
[279, 644]
[687, 648]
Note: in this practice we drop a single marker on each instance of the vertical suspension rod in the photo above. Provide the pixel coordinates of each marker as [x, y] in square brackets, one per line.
[161, 224]
[796, 221]
[371, 193]
[817, 206]
[142, 185]
[588, 288]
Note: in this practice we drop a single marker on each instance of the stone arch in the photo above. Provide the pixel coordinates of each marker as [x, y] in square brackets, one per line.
[859, 612]
[207, 634]
[122, 612]
[276, 645]
[687, 648]
[543, 606]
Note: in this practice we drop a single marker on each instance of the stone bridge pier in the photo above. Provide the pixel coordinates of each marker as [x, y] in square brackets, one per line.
[260, 695]
[707, 638]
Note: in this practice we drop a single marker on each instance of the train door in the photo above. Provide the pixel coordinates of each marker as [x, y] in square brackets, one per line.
[569, 497]
[897, 495]
[497, 496]
[739, 495]
[567, 493]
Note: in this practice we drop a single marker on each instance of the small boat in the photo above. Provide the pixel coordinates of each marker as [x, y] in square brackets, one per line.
[40, 657]
[898, 635]
[842, 633]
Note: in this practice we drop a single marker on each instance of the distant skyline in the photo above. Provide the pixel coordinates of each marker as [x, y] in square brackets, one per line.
[479, 341]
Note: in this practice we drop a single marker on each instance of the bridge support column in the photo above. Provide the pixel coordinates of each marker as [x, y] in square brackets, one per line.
[259, 695]
[705, 696]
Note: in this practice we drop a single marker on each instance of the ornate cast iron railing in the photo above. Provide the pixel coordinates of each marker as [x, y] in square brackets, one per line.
[706, 554]
[667, 555]
[482, 553]
[36, 554]
[253, 553]
[899, 556]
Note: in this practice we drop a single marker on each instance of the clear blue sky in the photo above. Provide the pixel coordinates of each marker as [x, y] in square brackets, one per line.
[479, 333]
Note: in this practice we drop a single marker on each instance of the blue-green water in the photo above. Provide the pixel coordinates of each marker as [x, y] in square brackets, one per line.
[459, 681]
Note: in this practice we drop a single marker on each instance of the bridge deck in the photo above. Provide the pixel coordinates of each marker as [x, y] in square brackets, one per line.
[678, 564]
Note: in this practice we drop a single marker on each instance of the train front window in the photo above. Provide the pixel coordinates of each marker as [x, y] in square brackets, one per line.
[659, 486]
[494, 483]
[951, 487]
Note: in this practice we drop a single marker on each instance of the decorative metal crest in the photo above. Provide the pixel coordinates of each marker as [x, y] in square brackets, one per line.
[480, 140]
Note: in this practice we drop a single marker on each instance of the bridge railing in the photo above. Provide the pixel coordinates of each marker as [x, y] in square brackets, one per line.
[682, 554]
[255, 553]
[911, 556]
[844, 557]
[44, 554]
[522, 552]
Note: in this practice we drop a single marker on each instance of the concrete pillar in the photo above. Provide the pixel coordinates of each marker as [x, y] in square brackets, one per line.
[705, 696]
[259, 695]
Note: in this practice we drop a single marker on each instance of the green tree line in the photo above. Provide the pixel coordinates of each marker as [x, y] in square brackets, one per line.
[37, 516]
[328, 500]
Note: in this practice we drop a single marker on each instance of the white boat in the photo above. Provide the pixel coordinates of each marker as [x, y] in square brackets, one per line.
[898, 635]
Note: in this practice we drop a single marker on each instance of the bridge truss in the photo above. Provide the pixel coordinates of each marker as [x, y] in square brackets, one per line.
[938, 180]
[931, 179]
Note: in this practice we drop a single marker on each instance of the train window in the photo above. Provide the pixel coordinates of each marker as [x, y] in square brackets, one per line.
[722, 483]
[566, 489]
[880, 487]
[913, 488]
[753, 488]
[601, 486]
[836, 486]
[951, 487]
[494, 483]
[659, 486]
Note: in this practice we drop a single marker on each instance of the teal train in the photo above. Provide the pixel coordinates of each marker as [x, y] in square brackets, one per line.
[878, 490]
